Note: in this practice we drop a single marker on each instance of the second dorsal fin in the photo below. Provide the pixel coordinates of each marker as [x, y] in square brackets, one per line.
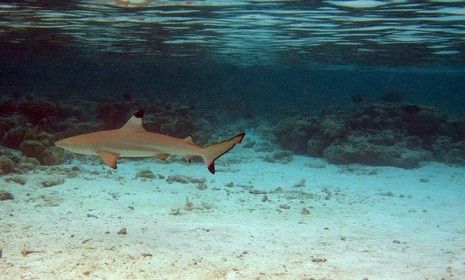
[188, 139]
[135, 122]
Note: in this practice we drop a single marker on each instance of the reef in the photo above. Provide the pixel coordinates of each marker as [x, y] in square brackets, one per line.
[170, 119]
[33, 125]
[280, 156]
[385, 134]
[4, 195]
[12, 161]
[52, 182]
[145, 174]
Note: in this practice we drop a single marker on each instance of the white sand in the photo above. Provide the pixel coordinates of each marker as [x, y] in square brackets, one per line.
[387, 225]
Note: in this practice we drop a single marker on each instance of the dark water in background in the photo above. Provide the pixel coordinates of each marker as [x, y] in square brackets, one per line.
[261, 56]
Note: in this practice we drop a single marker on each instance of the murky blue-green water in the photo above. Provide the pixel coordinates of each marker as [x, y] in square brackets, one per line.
[243, 32]
[352, 165]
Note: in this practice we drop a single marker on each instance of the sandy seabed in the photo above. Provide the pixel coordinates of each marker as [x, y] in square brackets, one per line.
[251, 220]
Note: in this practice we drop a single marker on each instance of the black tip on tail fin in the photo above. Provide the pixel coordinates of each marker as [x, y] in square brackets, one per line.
[139, 114]
[211, 168]
[241, 135]
[214, 151]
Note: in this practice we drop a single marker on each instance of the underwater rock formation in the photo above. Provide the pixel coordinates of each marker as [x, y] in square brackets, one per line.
[359, 149]
[32, 126]
[170, 119]
[401, 135]
[7, 165]
[4, 195]
[113, 115]
[13, 162]
[280, 156]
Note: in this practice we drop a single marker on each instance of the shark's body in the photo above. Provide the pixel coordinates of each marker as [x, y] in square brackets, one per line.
[132, 140]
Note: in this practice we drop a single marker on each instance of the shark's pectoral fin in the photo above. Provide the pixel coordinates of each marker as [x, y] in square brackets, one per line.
[188, 159]
[108, 158]
[162, 156]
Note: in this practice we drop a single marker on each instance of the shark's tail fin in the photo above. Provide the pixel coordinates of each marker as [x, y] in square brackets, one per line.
[214, 151]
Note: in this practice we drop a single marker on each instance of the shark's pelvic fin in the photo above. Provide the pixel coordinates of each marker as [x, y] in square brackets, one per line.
[162, 156]
[188, 139]
[135, 122]
[214, 151]
[108, 158]
[188, 159]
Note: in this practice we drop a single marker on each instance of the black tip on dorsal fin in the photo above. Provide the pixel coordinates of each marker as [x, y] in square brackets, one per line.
[139, 114]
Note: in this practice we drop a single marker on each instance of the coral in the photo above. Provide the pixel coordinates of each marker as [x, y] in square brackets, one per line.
[36, 110]
[316, 146]
[26, 164]
[281, 156]
[7, 123]
[53, 156]
[305, 211]
[201, 183]
[4, 195]
[171, 119]
[38, 135]
[33, 148]
[7, 165]
[293, 134]
[300, 184]
[145, 174]
[7, 107]
[456, 129]
[440, 145]
[392, 134]
[14, 137]
[46, 155]
[113, 115]
[52, 182]
[333, 124]
[12, 162]
[357, 149]
[421, 120]
[455, 153]
[456, 156]
[17, 179]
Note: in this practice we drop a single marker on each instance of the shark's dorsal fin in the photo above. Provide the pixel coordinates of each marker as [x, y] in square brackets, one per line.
[188, 139]
[135, 122]
[108, 158]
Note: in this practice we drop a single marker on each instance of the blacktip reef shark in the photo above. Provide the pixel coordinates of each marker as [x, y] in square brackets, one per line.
[132, 140]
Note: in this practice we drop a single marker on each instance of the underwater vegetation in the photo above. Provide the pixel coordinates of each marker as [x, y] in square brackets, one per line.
[390, 134]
